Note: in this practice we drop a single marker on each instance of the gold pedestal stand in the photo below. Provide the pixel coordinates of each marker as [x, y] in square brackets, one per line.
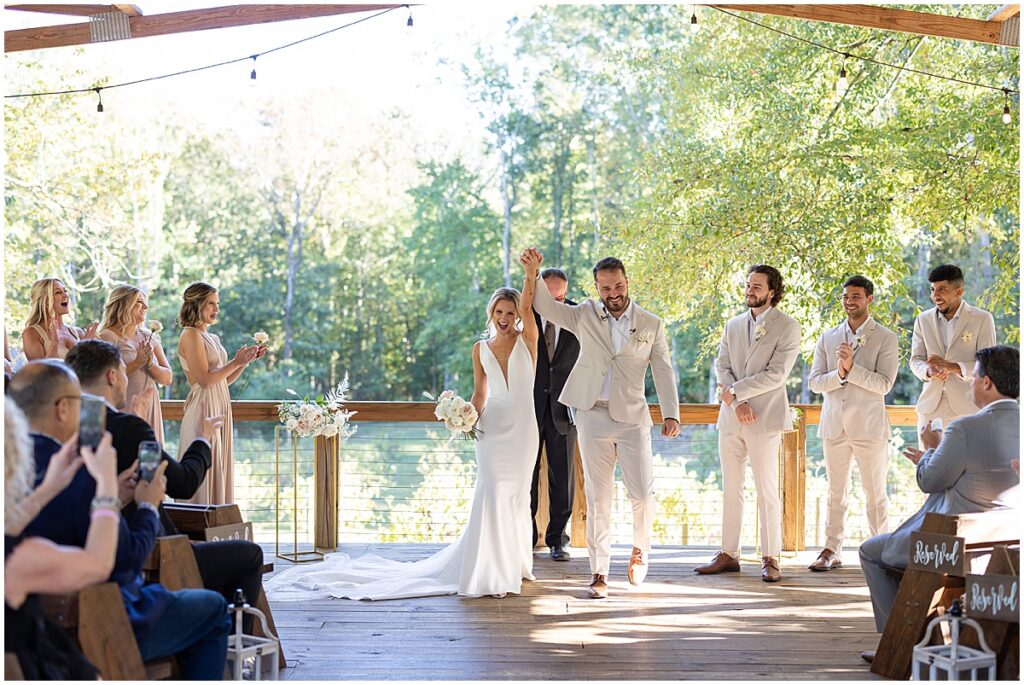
[295, 556]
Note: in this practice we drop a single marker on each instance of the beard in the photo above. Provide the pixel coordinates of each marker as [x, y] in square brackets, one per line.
[755, 303]
[616, 307]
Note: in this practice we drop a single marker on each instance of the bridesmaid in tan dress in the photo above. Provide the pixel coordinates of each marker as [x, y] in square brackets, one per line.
[46, 335]
[209, 372]
[144, 359]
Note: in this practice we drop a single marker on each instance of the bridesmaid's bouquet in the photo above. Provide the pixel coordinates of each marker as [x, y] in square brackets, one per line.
[324, 415]
[459, 416]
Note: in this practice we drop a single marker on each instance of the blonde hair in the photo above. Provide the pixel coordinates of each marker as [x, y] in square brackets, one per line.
[19, 464]
[40, 309]
[192, 301]
[117, 312]
[502, 295]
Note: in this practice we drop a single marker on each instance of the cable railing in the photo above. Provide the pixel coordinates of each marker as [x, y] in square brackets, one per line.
[400, 479]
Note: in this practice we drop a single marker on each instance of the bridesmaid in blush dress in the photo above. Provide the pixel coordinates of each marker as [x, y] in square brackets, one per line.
[209, 372]
[46, 335]
[143, 355]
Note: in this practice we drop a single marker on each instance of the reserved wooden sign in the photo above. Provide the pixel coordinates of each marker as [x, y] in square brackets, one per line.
[230, 531]
[994, 597]
[937, 553]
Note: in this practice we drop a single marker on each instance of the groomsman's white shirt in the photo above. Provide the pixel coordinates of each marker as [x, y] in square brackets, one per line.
[855, 406]
[971, 329]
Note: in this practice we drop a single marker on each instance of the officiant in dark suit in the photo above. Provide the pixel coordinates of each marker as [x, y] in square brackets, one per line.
[556, 355]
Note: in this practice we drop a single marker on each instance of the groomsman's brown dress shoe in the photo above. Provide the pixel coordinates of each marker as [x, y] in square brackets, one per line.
[826, 561]
[598, 588]
[637, 567]
[722, 563]
[770, 570]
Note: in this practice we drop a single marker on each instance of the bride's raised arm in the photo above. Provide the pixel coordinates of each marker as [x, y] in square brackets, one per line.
[530, 332]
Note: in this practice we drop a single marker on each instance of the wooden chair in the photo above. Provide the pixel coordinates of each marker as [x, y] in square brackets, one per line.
[194, 520]
[97, 617]
[923, 595]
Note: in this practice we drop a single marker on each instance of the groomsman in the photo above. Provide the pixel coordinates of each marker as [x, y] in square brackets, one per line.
[757, 353]
[556, 356]
[945, 341]
[854, 367]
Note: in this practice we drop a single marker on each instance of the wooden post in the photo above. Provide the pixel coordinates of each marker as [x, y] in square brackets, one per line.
[578, 527]
[325, 476]
[793, 486]
[543, 498]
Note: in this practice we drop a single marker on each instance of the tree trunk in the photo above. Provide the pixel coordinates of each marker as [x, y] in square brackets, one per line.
[506, 198]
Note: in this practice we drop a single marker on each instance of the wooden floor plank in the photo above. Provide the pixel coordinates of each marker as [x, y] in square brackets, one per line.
[678, 626]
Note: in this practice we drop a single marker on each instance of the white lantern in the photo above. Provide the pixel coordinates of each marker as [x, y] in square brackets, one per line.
[956, 661]
[242, 647]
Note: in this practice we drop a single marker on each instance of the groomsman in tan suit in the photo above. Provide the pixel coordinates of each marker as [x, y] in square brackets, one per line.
[758, 350]
[854, 367]
[619, 341]
[946, 338]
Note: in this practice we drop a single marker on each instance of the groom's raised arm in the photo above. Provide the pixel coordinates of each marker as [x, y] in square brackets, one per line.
[561, 314]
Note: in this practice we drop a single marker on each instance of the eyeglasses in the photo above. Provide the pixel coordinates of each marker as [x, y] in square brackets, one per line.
[67, 397]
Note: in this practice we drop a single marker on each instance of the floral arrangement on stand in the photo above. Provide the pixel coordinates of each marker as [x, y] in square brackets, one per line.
[459, 416]
[324, 415]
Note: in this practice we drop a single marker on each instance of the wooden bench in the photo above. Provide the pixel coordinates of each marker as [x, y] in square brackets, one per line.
[194, 520]
[923, 595]
[97, 617]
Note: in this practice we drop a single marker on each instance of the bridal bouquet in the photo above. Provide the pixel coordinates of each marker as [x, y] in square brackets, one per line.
[459, 416]
[325, 415]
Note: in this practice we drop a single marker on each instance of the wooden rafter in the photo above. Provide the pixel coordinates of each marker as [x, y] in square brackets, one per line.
[1005, 12]
[178, 22]
[77, 10]
[906, 21]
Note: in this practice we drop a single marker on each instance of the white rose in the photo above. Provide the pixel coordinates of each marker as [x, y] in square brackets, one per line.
[330, 430]
[260, 337]
[458, 403]
[291, 424]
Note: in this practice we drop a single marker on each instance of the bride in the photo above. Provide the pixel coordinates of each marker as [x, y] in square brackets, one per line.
[495, 552]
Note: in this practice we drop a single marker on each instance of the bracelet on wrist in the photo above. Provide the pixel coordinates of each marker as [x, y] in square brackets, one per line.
[111, 503]
[100, 513]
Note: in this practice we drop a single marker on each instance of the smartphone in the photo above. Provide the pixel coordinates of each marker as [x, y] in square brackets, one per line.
[92, 422]
[149, 459]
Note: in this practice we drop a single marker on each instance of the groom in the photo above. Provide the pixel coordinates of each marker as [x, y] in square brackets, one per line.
[618, 341]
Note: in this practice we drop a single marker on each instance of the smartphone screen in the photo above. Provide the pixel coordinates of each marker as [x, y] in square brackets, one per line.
[149, 459]
[92, 422]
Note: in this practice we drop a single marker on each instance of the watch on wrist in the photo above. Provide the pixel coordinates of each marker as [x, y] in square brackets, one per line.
[98, 502]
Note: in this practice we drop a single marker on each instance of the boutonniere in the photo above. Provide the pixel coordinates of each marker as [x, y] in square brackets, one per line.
[860, 341]
[640, 338]
[967, 336]
[759, 332]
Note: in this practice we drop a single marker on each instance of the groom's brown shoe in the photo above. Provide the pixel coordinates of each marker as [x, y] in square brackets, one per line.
[770, 572]
[598, 588]
[637, 567]
[722, 563]
[826, 561]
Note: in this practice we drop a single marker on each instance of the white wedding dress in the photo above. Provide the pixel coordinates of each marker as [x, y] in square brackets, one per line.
[495, 552]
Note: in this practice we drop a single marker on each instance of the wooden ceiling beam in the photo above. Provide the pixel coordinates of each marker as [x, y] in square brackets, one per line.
[870, 16]
[69, 10]
[179, 22]
[1004, 13]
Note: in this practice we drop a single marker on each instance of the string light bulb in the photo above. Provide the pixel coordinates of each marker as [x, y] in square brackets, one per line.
[694, 26]
[1007, 119]
[252, 74]
[99, 104]
[843, 84]
[408, 22]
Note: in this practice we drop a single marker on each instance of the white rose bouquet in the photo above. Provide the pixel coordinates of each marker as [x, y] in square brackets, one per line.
[325, 415]
[459, 416]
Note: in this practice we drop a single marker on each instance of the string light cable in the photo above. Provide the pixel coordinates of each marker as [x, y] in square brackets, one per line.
[252, 56]
[849, 55]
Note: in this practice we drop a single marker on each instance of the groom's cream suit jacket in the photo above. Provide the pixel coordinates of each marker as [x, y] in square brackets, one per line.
[857, 407]
[647, 347]
[757, 372]
[974, 331]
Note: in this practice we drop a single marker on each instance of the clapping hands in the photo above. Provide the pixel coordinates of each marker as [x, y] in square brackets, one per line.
[845, 354]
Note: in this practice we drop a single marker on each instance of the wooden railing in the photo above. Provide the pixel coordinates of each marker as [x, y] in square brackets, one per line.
[793, 457]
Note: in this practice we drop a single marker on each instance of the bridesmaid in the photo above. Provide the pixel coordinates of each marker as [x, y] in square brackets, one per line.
[46, 335]
[208, 372]
[144, 359]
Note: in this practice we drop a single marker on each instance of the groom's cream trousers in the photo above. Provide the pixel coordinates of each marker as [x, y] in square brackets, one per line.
[602, 441]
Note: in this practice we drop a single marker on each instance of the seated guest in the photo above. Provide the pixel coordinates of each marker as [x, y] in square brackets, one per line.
[967, 469]
[46, 335]
[225, 565]
[192, 625]
[35, 565]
